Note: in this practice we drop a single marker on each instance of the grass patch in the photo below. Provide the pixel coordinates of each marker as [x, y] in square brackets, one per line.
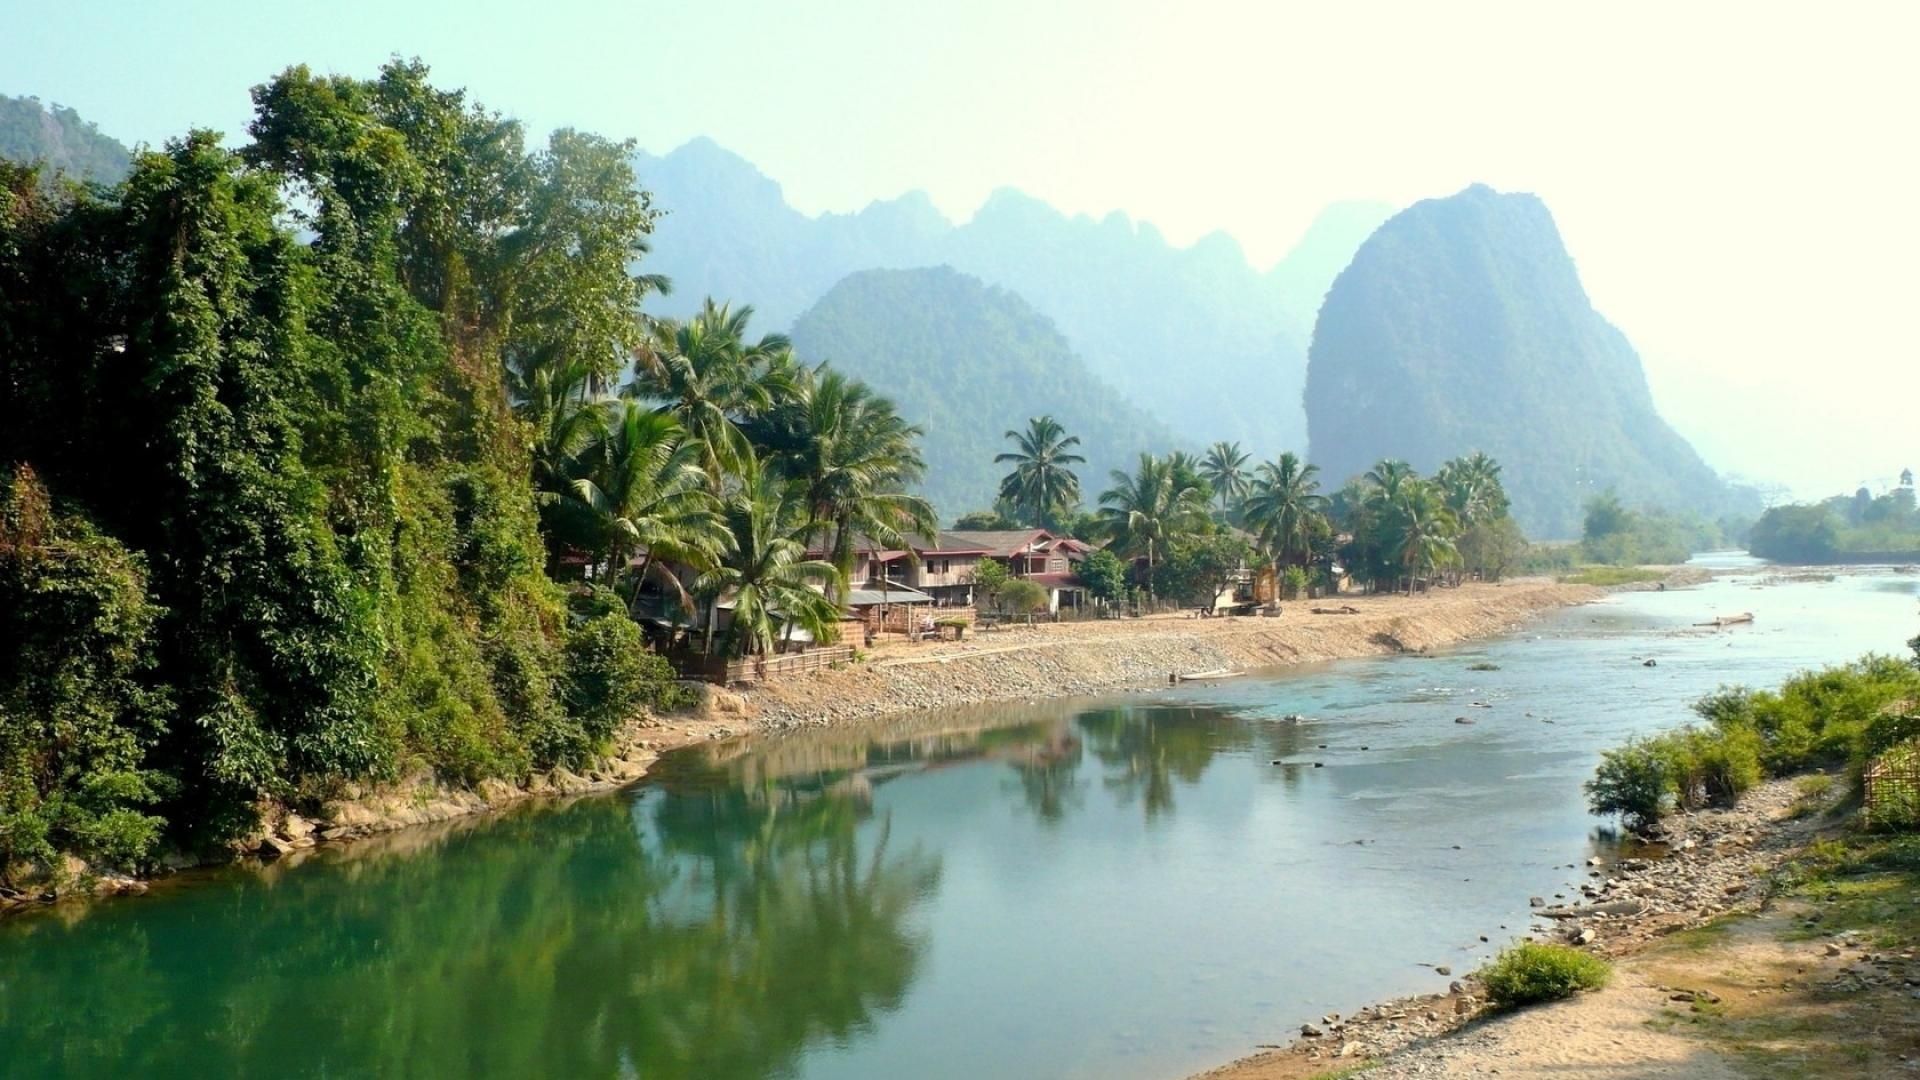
[1866, 884]
[1606, 577]
[1530, 973]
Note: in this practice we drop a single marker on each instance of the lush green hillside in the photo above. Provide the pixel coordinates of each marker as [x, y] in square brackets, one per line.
[1461, 325]
[60, 140]
[1147, 316]
[967, 362]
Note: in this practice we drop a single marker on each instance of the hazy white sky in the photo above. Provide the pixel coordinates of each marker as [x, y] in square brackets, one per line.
[1738, 182]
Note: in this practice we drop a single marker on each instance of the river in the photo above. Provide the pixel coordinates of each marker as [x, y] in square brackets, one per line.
[1137, 886]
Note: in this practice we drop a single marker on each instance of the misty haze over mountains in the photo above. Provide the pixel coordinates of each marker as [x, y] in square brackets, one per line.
[1143, 314]
[1461, 325]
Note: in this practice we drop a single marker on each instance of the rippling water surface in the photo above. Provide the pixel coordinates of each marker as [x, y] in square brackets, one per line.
[1130, 887]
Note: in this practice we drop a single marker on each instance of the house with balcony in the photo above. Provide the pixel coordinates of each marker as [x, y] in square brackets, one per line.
[1035, 554]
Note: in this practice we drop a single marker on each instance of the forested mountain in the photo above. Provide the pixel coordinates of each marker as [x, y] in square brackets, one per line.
[58, 138]
[968, 362]
[1461, 325]
[1148, 317]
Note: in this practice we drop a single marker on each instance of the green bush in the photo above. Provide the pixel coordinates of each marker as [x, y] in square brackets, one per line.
[1294, 582]
[1714, 767]
[1820, 718]
[1686, 769]
[610, 676]
[1634, 780]
[1023, 597]
[1530, 973]
[77, 718]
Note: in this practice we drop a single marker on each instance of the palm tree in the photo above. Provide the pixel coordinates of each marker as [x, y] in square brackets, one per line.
[1225, 470]
[553, 398]
[705, 373]
[1143, 512]
[1285, 508]
[1471, 486]
[647, 492]
[1041, 484]
[765, 569]
[1421, 528]
[1386, 479]
[852, 455]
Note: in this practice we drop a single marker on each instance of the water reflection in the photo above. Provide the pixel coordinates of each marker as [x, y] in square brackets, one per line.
[711, 934]
[1106, 889]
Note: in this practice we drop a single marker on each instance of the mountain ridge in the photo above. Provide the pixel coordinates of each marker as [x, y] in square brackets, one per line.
[1142, 312]
[1460, 325]
[944, 346]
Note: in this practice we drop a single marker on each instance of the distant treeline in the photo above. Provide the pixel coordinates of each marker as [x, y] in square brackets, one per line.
[1861, 527]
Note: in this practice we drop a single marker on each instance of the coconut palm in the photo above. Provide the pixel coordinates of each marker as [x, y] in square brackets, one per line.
[1421, 529]
[1145, 511]
[1285, 508]
[647, 493]
[852, 455]
[1386, 479]
[1472, 489]
[1224, 468]
[707, 374]
[1041, 485]
[765, 571]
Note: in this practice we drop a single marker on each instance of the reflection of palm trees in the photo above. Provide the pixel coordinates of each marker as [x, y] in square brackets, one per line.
[559, 942]
[1049, 774]
[1147, 749]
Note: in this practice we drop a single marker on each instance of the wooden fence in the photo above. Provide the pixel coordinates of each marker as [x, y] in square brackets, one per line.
[753, 669]
[1893, 788]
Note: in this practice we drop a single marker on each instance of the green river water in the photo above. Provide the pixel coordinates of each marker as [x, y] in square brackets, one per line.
[1130, 887]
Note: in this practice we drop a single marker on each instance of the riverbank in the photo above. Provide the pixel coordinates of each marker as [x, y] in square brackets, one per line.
[1049, 660]
[1083, 658]
[1727, 965]
[1022, 663]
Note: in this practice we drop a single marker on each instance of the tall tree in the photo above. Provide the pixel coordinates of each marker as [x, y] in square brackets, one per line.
[646, 492]
[852, 455]
[1285, 509]
[766, 573]
[1042, 484]
[1422, 529]
[707, 373]
[1225, 470]
[1145, 511]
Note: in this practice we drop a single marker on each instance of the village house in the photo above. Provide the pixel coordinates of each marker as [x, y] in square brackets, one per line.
[1039, 556]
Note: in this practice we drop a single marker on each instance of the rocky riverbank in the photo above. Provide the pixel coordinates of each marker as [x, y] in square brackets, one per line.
[1015, 664]
[1706, 865]
[1085, 658]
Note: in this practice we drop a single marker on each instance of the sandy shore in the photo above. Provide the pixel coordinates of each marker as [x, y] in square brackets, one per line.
[1634, 912]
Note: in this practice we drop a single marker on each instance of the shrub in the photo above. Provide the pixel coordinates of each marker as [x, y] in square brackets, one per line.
[1530, 973]
[78, 717]
[1634, 781]
[1294, 582]
[1688, 769]
[1023, 597]
[611, 675]
[1715, 767]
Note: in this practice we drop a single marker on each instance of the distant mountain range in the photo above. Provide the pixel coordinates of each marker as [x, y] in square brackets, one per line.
[1146, 316]
[1461, 325]
[60, 139]
[968, 362]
